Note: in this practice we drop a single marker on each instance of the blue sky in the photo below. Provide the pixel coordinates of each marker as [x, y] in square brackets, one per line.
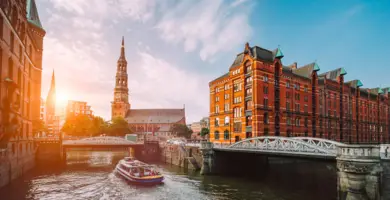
[174, 48]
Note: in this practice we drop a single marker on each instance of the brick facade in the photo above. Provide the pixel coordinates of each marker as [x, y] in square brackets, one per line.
[260, 96]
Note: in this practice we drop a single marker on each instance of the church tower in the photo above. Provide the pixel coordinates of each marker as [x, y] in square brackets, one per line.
[120, 105]
[51, 102]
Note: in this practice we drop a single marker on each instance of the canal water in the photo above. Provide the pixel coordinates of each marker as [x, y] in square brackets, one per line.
[89, 175]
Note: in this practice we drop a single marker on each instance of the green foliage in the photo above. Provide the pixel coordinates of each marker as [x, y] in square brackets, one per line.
[181, 130]
[119, 127]
[204, 132]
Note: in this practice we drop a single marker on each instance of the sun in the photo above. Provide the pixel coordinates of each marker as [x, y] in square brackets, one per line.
[62, 98]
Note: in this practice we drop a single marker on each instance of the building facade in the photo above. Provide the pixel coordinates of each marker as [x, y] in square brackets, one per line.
[21, 46]
[141, 121]
[78, 108]
[260, 96]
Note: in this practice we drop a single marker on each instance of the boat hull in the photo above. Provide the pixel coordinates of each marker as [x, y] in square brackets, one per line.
[141, 181]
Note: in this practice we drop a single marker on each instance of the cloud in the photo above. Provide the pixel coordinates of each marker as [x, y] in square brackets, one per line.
[211, 26]
[157, 83]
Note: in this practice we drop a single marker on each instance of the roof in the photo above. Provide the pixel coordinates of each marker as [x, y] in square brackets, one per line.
[164, 128]
[32, 13]
[355, 83]
[306, 70]
[258, 53]
[155, 116]
[334, 74]
[225, 75]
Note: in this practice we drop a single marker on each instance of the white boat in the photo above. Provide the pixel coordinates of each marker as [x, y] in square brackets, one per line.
[138, 172]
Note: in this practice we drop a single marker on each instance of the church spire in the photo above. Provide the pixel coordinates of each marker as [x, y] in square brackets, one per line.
[123, 49]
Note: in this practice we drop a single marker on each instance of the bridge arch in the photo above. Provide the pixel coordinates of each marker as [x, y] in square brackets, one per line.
[304, 146]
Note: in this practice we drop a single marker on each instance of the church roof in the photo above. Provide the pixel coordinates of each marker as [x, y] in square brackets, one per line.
[155, 116]
[32, 13]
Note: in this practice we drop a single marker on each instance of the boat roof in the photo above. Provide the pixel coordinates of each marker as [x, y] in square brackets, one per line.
[134, 164]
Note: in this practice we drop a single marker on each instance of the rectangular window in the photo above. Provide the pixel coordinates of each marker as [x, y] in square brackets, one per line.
[237, 127]
[216, 99]
[226, 86]
[288, 84]
[306, 109]
[297, 108]
[306, 99]
[226, 96]
[287, 106]
[265, 89]
[265, 103]
[216, 109]
[287, 95]
[265, 78]
[305, 89]
[226, 107]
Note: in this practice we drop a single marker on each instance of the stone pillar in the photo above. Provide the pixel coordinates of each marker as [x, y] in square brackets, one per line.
[359, 172]
[208, 166]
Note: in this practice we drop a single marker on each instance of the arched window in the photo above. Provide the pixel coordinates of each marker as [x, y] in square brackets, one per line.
[226, 135]
[297, 122]
[266, 121]
[216, 135]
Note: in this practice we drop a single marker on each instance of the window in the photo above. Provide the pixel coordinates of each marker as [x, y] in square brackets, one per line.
[249, 121]
[226, 96]
[266, 121]
[249, 92]
[335, 114]
[265, 103]
[306, 99]
[216, 122]
[306, 122]
[216, 99]
[237, 127]
[297, 107]
[10, 68]
[297, 97]
[226, 135]
[237, 112]
[227, 120]
[305, 109]
[297, 122]
[298, 86]
[249, 105]
[265, 89]
[226, 107]
[266, 131]
[287, 95]
[248, 67]
[237, 87]
[216, 109]
[288, 121]
[305, 88]
[265, 78]
[226, 86]
[216, 135]
[12, 42]
[216, 90]
[288, 84]
[248, 80]
[287, 106]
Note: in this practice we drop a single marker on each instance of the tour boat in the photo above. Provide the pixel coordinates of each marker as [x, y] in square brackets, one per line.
[138, 172]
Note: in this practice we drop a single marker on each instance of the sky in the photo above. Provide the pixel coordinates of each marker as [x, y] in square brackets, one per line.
[175, 48]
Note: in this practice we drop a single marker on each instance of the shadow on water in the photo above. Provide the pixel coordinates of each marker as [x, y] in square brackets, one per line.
[90, 176]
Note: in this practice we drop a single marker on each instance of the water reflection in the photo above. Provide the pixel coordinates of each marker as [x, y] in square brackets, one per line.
[89, 175]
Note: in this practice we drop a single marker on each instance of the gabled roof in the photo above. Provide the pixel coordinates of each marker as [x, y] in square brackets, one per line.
[257, 53]
[306, 70]
[355, 83]
[334, 74]
[32, 14]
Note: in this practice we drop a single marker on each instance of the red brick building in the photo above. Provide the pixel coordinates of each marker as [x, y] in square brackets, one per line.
[261, 96]
[141, 121]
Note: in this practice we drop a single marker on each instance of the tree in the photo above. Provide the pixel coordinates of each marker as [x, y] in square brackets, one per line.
[119, 127]
[181, 130]
[78, 125]
[204, 132]
[99, 126]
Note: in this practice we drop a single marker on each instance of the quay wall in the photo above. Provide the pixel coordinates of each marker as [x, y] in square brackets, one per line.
[183, 156]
